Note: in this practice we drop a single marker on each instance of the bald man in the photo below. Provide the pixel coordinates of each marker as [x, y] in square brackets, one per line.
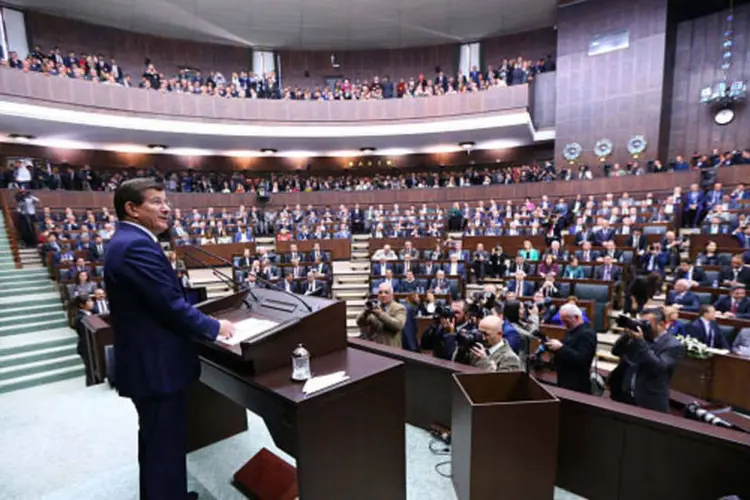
[498, 356]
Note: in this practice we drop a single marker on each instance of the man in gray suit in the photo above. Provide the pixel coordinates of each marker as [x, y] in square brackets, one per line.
[647, 361]
[498, 357]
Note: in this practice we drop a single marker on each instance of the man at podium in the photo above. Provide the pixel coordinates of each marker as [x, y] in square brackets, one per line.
[154, 333]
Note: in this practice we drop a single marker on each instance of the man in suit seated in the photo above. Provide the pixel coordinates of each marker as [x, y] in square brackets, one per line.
[715, 226]
[586, 254]
[313, 286]
[607, 271]
[296, 270]
[696, 276]
[734, 305]
[101, 304]
[610, 249]
[380, 268]
[736, 273]
[343, 233]
[288, 284]
[429, 268]
[408, 250]
[80, 266]
[385, 253]
[706, 330]
[96, 249]
[555, 251]
[407, 265]
[294, 254]
[647, 361]
[654, 260]
[321, 269]
[682, 298]
[605, 233]
[389, 279]
[584, 235]
[519, 264]
[440, 285]
[316, 253]
[637, 240]
[410, 284]
[519, 286]
[454, 268]
[549, 288]
[495, 353]
[246, 261]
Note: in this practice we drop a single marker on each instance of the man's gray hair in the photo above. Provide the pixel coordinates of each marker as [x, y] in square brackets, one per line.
[571, 310]
[386, 287]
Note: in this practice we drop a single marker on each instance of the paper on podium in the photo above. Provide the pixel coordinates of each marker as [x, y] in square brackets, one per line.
[248, 329]
[316, 384]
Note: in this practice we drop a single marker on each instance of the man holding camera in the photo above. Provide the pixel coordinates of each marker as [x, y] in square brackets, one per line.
[383, 322]
[648, 355]
[440, 337]
[573, 356]
[495, 355]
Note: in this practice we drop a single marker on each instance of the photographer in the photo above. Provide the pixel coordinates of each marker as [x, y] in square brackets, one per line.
[573, 356]
[383, 321]
[648, 355]
[494, 354]
[440, 337]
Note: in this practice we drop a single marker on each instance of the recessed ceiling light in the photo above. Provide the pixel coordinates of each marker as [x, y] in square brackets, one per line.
[367, 150]
[467, 144]
[268, 151]
[21, 137]
[157, 147]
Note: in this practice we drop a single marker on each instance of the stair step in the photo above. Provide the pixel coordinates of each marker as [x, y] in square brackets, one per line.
[25, 290]
[33, 327]
[37, 355]
[45, 365]
[37, 379]
[36, 341]
[36, 317]
[15, 286]
[29, 310]
[29, 300]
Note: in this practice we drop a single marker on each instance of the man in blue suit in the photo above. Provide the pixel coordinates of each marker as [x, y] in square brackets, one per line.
[154, 333]
[682, 297]
[693, 206]
[706, 330]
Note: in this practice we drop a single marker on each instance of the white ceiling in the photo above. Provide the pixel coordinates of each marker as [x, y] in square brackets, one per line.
[311, 24]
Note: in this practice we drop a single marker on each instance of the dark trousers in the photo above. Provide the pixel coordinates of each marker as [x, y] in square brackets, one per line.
[162, 445]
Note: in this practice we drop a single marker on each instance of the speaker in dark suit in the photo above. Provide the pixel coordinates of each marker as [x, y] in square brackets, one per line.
[155, 333]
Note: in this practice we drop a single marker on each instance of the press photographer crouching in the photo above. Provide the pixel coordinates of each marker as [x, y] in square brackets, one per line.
[648, 355]
[383, 319]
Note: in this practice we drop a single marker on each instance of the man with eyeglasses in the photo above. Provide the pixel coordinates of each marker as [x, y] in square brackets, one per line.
[495, 355]
[155, 330]
[383, 322]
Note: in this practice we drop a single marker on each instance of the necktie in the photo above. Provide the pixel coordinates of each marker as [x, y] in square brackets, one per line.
[606, 273]
[734, 306]
[710, 336]
[651, 263]
[102, 307]
[519, 288]
[736, 274]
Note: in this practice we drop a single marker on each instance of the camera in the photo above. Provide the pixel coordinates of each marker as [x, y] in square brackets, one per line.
[480, 304]
[624, 321]
[466, 338]
[372, 304]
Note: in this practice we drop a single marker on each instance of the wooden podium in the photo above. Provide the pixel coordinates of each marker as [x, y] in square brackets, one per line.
[504, 437]
[348, 440]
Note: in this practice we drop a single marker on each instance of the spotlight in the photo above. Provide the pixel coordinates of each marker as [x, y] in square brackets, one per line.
[367, 151]
[268, 151]
[21, 137]
[467, 145]
[157, 148]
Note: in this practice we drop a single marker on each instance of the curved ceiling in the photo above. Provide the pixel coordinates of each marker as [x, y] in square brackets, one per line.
[311, 24]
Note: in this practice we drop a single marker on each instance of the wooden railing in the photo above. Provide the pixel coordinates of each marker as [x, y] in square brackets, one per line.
[10, 228]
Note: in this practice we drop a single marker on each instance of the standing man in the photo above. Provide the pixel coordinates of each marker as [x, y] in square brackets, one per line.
[155, 330]
[383, 324]
[573, 356]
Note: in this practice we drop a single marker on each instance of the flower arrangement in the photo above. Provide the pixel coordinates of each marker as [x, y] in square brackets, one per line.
[694, 348]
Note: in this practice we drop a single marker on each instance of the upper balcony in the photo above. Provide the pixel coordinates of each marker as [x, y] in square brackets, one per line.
[78, 110]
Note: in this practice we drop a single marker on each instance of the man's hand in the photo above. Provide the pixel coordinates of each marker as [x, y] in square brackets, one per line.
[636, 334]
[553, 345]
[226, 329]
[479, 352]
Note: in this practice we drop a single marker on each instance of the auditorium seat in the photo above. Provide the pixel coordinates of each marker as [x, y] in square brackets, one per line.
[588, 271]
[712, 277]
[705, 298]
[600, 295]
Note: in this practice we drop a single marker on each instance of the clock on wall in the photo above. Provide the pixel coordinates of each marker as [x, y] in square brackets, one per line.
[724, 116]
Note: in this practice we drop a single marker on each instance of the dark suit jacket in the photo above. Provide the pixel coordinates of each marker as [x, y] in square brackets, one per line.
[293, 286]
[154, 325]
[652, 365]
[593, 255]
[377, 268]
[603, 235]
[580, 238]
[689, 301]
[727, 274]
[641, 242]
[573, 360]
[527, 286]
[724, 304]
[614, 275]
[322, 254]
[698, 332]
[699, 275]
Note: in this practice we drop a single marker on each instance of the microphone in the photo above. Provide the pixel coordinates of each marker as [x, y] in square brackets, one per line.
[258, 278]
[223, 277]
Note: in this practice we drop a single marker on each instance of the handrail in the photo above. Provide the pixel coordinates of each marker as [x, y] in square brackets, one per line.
[10, 229]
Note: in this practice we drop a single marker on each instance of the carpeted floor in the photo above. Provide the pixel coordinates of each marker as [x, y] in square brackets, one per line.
[63, 441]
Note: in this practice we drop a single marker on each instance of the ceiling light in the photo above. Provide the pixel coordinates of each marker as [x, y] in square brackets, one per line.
[268, 151]
[157, 148]
[21, 137]
[367, 151]
[467, 145]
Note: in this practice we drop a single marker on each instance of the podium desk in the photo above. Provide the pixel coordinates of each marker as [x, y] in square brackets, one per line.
[348, 440]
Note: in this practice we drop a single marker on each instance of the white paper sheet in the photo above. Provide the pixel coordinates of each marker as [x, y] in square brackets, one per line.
[321, 382]
[248, 329]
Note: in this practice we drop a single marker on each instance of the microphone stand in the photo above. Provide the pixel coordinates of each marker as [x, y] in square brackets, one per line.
[258, 278]
[224, 278]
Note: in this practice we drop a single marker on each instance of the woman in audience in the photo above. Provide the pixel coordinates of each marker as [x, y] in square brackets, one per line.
[223, 237]
[524, 322]
[528, 251]
[708, 257]
[549, 267]
[674, 326]
[82, 285]
[208, 237]
[574, 270]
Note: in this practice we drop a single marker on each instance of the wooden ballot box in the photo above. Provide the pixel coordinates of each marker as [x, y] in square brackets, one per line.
[504, 437]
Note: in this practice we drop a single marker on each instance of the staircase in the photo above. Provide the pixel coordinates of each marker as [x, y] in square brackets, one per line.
[36, 344]
[351, 281]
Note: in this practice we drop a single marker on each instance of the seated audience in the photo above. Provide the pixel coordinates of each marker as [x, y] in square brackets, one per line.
[706, 330]
[100, 302]
[708, 257]
[734, 305]
[695, 276]
[682, 298]
[573, 270]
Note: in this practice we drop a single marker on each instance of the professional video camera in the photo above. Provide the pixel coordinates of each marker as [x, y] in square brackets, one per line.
[694, 411]
[372, 304]
[624, 321]
[466, 338]
[480, 304]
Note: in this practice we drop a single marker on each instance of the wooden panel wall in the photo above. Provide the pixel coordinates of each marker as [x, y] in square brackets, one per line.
[698, 49]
